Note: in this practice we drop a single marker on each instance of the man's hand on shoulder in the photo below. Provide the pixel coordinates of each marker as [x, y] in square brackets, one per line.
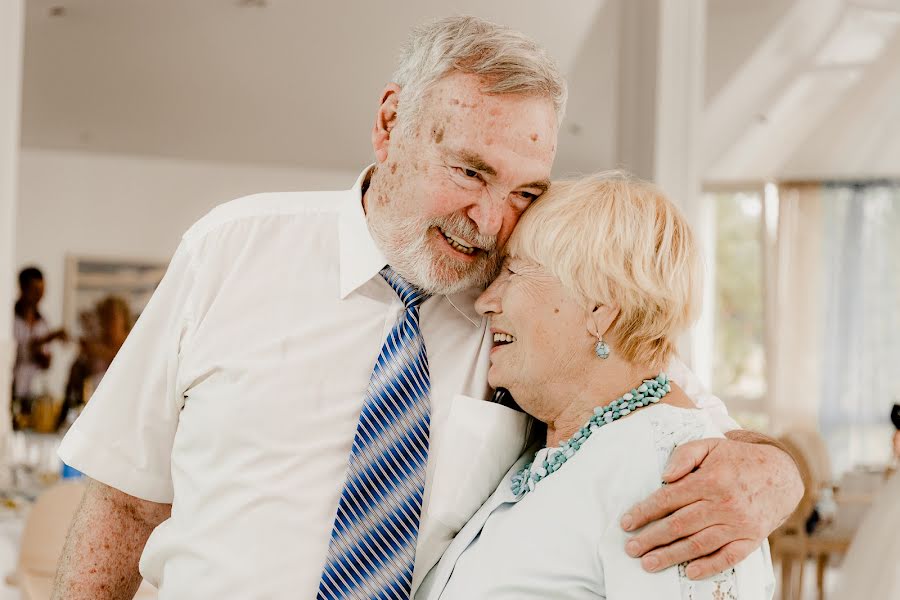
[722, 498]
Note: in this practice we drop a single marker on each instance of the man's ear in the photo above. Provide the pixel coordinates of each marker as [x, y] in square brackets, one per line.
[385, 121]
[600, 319]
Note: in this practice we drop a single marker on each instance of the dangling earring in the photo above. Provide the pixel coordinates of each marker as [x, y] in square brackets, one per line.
[601, 349]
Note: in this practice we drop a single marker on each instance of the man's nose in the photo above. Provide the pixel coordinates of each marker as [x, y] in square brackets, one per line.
[487, 214]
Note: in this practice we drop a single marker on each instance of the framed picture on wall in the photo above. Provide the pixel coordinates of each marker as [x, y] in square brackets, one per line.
[91, 281]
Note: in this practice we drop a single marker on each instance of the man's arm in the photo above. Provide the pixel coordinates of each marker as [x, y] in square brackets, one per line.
[59, 334]
[722, 498]
[100, 558]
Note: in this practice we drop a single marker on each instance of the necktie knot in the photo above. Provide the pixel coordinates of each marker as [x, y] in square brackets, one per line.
[410, 295]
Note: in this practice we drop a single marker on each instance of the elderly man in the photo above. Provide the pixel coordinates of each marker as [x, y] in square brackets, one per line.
[243, 445]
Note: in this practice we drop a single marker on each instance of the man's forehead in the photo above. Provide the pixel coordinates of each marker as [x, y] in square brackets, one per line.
[461, 96]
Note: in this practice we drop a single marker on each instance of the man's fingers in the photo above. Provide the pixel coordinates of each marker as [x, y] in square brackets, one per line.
[698, 545]
[724, 558]
[686, 458]
[677, 526]
[661, 503]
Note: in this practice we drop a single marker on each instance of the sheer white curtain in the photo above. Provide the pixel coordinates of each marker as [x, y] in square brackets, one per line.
[833, 315]
[793, 322]
[861, 301]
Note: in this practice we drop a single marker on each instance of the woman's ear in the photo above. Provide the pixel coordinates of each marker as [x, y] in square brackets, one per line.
[385, 121]
[601, 318]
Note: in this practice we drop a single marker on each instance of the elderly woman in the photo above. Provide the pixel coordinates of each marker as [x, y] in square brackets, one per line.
[601, 277]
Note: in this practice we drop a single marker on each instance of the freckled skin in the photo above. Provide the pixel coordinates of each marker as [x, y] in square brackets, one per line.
[427, 184]
[106, 519]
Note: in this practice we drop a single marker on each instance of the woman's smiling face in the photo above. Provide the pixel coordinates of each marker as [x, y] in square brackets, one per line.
[542, 338]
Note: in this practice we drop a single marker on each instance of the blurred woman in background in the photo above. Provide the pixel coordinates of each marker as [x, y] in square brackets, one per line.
[105, 330]
[870, 568]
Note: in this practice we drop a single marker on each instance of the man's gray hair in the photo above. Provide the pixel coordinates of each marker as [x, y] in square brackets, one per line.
[506, 60]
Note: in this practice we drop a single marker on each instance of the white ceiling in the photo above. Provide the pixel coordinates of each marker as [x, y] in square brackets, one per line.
[795, 88]
[817, 97]
[294, 82]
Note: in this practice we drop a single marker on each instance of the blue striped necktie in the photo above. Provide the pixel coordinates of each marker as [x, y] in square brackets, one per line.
[373, 543]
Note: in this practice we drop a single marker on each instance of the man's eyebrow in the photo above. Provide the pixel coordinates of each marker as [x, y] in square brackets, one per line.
[479, 164]
[475, 161]
[543, 185]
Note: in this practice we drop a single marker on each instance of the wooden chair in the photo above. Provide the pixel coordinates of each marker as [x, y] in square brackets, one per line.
[790, 543]
[812, 446]
[43, 539]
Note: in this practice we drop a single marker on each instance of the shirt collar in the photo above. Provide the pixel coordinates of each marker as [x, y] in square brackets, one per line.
[362, 259]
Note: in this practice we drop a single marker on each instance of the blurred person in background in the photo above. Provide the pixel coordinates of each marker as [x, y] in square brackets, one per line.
[32, 335]
[871, 568]
[104, 331]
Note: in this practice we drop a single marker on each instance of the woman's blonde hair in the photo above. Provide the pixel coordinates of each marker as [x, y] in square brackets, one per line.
[614, 240]
[109, 305]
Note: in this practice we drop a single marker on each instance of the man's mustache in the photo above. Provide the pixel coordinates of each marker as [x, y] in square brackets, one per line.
[463, 227]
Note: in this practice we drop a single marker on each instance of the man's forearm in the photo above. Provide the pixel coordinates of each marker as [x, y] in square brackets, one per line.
[101, 555]
[753, 437]
[787, 471]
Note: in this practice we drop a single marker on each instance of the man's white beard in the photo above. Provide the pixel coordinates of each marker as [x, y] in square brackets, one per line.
[406, 247]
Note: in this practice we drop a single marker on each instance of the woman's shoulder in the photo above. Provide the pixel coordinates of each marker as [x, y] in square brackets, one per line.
[655, 429]
[672, 426]
[624, 461]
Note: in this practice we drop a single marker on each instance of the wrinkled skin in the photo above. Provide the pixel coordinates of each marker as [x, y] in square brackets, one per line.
[723, 499]
[469, 165]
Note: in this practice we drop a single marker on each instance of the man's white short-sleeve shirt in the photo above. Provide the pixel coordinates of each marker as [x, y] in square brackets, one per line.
[237, 394]
[236, 397]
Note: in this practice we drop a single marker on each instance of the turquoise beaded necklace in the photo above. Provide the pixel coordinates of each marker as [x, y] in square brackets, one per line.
[649, 392]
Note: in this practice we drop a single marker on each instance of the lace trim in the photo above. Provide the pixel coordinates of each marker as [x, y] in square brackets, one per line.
[672, 428]
[721, 586]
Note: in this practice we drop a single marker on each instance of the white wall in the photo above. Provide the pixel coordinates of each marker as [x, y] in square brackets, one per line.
[128, 206]
[11, 36]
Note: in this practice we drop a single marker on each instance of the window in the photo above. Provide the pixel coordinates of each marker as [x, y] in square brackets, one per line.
[739, 365]
[820, 283]
[861, 302]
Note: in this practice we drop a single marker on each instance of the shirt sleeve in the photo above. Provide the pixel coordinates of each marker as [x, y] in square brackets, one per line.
[20, 333]
[703, 398]
[124, 436]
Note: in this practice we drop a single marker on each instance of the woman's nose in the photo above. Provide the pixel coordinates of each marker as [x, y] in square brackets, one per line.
[488, 302]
